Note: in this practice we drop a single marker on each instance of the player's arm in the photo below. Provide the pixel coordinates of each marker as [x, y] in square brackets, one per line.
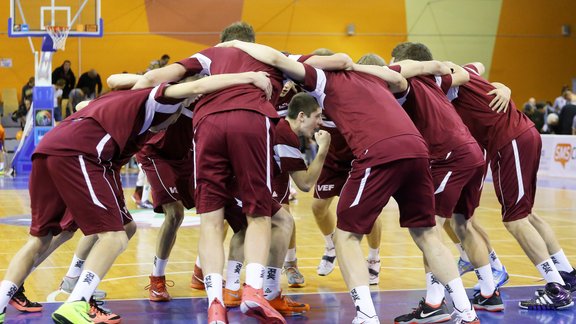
[169, 73]
[305, 179]
[265, 54]
[479, 67]
[214, 83]
[82, 104]
[395, 80]
[410, 68]
[335, 62]
[123, 80]
[502, 95]
[459, 74]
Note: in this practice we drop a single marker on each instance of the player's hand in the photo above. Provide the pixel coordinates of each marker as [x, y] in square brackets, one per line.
[227, 44]
[501, 99]
[323, 138]
[262, 81]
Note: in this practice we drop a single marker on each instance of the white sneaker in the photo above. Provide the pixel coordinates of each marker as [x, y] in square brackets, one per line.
[465, 317]
[327, 265]
[68, 284]
[374, 271]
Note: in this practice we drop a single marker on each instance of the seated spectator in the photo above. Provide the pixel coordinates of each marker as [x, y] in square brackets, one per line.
[552, 126]
[156, 64]
[537, 116]
[530, 106]
[74, 98]
[20, 114]
[58, 95]
[27, 90]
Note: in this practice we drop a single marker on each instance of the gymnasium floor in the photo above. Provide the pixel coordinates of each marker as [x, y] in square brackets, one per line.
[401, 277]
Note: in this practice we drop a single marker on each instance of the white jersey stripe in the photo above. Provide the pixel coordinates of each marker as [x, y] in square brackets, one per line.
[287, 151]
[318, 93]
[101, 144]
[89, 183]
[518, 171]
[361, 188]
[160, 179]
[205, 61]
[442, 185]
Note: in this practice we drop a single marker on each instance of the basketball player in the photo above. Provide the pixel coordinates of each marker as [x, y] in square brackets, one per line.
[359, 104]
[82, 178]
[511, 140]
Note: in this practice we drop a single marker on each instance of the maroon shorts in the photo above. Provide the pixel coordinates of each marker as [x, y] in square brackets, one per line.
[368, 190]
[234, 146]
[91, 193]
[458, 181]
[237, 219]
[330, 182]
[170, 180]
[514, 169]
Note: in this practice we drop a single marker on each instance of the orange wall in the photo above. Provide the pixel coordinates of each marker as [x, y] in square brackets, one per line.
[530, 55]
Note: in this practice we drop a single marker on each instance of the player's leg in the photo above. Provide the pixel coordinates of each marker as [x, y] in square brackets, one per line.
[290, 266]
[326, 221]
[373, 260]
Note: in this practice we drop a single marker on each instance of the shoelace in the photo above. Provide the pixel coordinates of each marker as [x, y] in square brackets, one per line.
[160, 284]
[95, 305]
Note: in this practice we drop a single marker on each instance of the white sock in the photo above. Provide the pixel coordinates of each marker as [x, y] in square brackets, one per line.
[159, 268]
[213, 283]
[549, 272]
[1, 165]
[561, 261]
[198, 262]
[75, 267]
[459, 298]
[233, 275]
[486, 280]
[434, 290]
[290, 255]
[7, 290]
[85, 287]
[494, 261]
[373, 254]
[463, 254]
[255, 275]
[330, 243]
[272, 283]
[363, 302]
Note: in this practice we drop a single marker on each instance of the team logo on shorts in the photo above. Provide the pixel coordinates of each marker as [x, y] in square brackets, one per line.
[563, 153]
[326, 187]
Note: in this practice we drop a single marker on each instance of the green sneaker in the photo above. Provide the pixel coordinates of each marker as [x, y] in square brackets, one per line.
[72, 313]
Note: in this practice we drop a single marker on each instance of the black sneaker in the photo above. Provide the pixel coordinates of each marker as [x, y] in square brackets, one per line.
[23, 304]
[569, 278]
[554, 297]
[425, 313]
[492, 304]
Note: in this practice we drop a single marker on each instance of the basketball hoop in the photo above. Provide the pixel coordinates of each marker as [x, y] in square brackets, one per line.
[58, 35]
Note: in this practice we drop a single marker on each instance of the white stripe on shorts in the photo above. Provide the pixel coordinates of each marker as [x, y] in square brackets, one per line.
[361, 188]
[88, 183]
[443, 183]
[518, 171]
[268, 171]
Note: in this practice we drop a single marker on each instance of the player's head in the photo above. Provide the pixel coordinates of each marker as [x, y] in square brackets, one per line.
[164, 60]
[66, 65]
[323, 52]
[304, 109]
[411, 51]
[371, 59]
[238, 31]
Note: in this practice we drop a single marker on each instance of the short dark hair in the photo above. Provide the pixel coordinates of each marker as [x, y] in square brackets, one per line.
[165, 57]
[323, 52]
[371, 59]
[238, 31]
[411, 51]
[302, 102]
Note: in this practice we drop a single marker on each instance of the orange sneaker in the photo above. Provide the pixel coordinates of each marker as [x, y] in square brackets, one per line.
[232, 298]
[217, 313]
[255, 305]
[23, 304]
[101, 315]
[157, 289]
[288, 307]
[197, 281]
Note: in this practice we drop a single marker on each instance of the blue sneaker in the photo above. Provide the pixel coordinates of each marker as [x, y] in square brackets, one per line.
[555, 297]
[501, 278]
[464, 266]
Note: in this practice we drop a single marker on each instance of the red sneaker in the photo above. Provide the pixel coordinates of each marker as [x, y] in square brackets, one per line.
[288, 307]
[98, 314]
[232, 298]
[197, 281]
[255, 305]
[157, 289]
[217, 313]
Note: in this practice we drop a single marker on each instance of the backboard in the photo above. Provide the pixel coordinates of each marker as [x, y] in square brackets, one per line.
[30, 17]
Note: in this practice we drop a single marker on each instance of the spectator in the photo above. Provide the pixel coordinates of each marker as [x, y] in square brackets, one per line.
[538, 116]
[64, 72]
[159, 63]
[574, 126]
[530, 106]
[560, 101]
[58, 95]
[75, 97]
[27, 90]
[88, 82]
[566, 119]
[20, 114]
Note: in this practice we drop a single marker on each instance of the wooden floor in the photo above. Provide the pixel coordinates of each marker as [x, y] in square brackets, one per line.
[401, 260]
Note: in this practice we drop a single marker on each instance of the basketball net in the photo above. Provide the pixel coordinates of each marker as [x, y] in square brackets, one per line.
[58, 35]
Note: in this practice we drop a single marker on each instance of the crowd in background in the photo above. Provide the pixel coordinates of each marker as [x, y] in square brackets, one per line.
[554, 118]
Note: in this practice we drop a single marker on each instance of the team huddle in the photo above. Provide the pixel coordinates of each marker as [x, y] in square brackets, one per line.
[219, 131]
